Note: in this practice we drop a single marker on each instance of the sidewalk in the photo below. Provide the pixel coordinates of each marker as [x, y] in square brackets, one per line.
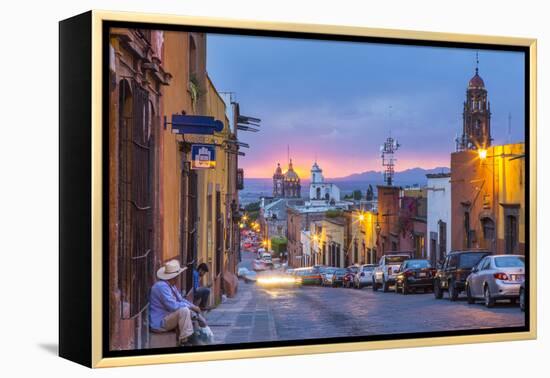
[244, 318]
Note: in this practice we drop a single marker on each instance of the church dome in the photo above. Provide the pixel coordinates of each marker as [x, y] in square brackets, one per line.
[278, 170]
[290, 175]
[476, 82]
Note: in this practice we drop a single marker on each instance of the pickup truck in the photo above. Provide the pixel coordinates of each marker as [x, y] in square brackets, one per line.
[384, 274]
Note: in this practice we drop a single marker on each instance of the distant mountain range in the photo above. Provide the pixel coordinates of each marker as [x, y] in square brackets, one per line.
[408, 176]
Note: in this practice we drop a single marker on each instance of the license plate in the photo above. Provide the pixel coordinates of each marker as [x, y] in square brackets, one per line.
[421, 274]
[517, 277]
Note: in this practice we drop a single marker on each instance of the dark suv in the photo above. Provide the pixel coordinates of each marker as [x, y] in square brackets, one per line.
[451, 276]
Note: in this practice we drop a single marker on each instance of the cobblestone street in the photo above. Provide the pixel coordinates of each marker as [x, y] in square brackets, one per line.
[261, 314]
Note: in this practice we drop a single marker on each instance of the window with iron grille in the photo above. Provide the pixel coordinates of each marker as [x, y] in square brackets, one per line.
[511, 234]
[135, 198]
[189, 224]
[219, 233]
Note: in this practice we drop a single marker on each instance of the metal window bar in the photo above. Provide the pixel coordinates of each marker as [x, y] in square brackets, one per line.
[136, 215]
[219, 233]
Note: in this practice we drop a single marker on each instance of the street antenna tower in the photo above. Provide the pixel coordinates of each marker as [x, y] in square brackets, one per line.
[387, 151]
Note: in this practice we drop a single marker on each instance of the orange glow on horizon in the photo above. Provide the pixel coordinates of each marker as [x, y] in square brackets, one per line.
[334, 168]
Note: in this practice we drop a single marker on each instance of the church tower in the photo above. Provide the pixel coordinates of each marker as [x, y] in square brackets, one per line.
[316, 174]
[278, 182]
[476, 130]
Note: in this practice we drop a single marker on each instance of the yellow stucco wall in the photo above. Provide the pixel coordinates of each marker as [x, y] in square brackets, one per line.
[510, 170]
[176, 99]
[211, 180]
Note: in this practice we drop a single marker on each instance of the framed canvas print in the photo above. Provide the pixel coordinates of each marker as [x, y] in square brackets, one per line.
[234, 189]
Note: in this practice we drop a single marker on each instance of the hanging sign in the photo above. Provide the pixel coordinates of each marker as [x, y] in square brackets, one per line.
[203, 156]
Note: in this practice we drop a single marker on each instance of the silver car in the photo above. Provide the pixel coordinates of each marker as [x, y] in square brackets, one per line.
[364, 276]
[496, 277]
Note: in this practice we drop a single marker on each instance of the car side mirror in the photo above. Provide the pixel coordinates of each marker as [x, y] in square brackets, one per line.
[474, 269]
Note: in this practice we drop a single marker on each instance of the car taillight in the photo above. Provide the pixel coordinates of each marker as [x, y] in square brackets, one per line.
[501, 276]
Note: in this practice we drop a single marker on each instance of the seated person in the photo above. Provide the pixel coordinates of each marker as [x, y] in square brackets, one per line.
[200, 293]
[168, 309]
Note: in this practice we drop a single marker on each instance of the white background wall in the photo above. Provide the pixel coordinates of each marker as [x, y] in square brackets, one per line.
[29, 189]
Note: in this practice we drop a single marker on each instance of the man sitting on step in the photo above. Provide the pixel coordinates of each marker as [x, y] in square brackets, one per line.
[168, 308]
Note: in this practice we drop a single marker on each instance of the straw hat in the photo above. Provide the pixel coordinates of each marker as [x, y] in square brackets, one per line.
[170, 270]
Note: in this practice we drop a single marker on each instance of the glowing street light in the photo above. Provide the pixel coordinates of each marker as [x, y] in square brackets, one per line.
[482, 153]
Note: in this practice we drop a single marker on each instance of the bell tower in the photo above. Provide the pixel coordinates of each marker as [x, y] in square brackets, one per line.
[476, 131]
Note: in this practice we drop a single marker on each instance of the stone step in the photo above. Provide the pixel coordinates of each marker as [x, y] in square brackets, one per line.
[163, 339]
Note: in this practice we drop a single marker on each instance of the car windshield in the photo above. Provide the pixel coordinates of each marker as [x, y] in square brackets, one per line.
[468, 260]
[328, 270]
[341, 272]
[395, 259]
[368, 268]
[353, 269]
[416, 264]
[509, 262]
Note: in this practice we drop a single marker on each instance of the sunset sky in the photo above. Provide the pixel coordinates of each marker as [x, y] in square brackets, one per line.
[338, 101]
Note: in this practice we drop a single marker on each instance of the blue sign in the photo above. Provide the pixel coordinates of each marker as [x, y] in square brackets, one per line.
[203, 125]
[203, 156]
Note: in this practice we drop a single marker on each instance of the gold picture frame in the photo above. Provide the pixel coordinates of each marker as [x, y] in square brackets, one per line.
[90, 232]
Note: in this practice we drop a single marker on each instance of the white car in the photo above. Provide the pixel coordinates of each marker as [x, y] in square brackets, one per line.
[496, 277]
[384, 274]
[364, 276]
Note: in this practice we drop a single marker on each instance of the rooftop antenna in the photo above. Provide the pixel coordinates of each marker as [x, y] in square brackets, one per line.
[477, 62]
[387, 151]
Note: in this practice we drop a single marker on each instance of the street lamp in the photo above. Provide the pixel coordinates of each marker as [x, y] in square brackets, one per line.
[482, 153]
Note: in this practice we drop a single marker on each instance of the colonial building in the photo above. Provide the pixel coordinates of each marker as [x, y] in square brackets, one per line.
[402, 221]
[161, 209]
[321, 191]
[439, 216]
[328, 241]
[286, 185]
[488, 199]
[361, 235]
[299, 219]
[137, 81]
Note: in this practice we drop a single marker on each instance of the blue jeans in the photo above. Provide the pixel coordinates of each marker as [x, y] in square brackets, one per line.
[200, 296]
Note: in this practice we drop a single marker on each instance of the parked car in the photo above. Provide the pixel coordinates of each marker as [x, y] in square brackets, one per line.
[326, 274]
[364, 276]
[522, 296]
[308, 276]
[350, 276]
[455, 269]
[414, 274]
[496, 277]
[337, 277]
[384, 274]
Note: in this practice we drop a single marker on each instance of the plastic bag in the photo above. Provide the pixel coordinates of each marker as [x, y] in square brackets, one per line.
[206, 335]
